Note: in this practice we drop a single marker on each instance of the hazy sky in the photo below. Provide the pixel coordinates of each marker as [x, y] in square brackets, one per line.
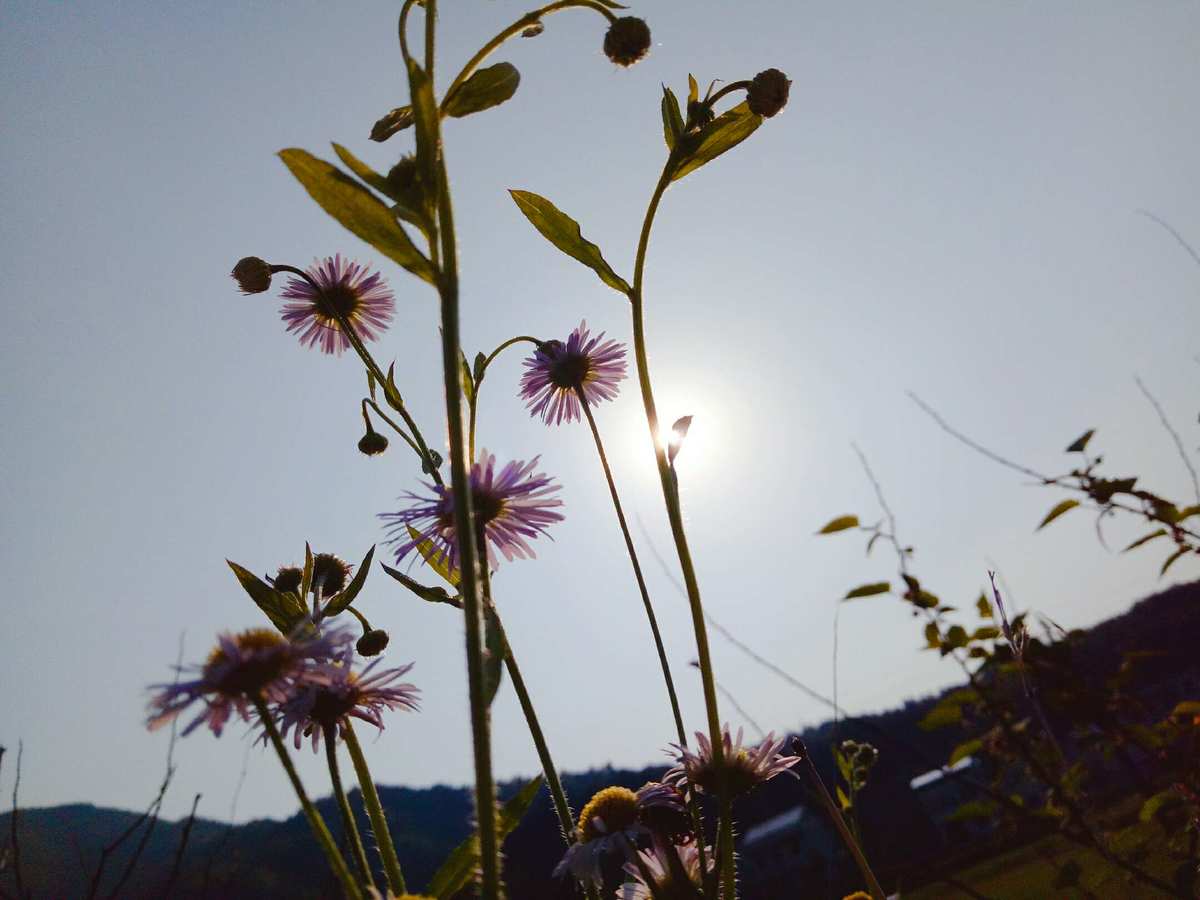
[947, 205]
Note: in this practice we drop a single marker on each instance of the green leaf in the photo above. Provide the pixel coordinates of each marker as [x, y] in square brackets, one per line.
[693, 89]
[275, 604]
[1145, 539]
[956, 636]
[357, 209]
[425, 116]
[564, 233]
[361, 169]
[479, 369]
[984, 605]
[1187, 512]
[307, 575]
[1187, 708]
[987, 633]
[841, 523]
[843, 800]
[459, 868]
[340, 601]
[436, 560]
[1171, 560]
[494, 651]
[1058, 510]
[672, 118]
[933, 637]
[426, 593]
[487, 87]
[1081, 442]
[948, 710]
[1151, 807]
[468, 383]
[392, 122]
[724, 133]
[868, 590]
[973, 809]
[963, 750]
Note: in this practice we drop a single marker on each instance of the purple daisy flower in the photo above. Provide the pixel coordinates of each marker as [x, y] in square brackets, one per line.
[665, 871]
[331, 693]
[745, 766]
[558, 372]
[254, 663]
[514, 505]
[339, 287]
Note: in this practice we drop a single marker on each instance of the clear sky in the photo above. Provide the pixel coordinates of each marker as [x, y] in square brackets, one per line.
[947, 205]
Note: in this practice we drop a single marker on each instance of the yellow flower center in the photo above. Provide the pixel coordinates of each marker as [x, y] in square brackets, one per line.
[615, 807]
[251, 676]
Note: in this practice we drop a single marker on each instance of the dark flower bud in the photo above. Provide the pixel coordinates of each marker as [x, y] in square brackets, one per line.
[768, 92]
[627, 40]
[699, 114]
[533, 30]
[372, 443]
[288, 578]
[329, 573]
[252, 274]
[372, 643]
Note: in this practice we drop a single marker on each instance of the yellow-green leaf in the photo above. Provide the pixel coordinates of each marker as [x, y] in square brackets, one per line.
[1145, 539]
[564, 233]
[487, 87]
[340, 601]
[868, 590]
[841, 523]
[963, 750]
[723, 133]
[357, 209]
[1059, 508]
[1171, 560]
[672, 118]
[437, 560]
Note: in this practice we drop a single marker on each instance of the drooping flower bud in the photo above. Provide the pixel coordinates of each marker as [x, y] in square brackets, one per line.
[373, 642]
[627, 40]
[252, 274]
[372, 443]
[768, 92]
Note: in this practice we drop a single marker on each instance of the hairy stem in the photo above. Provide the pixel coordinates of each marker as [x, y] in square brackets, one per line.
[353, 838]
[379, 828]
[315, 822]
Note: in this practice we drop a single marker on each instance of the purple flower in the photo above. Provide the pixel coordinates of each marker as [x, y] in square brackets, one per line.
[255, 663]
[661, 808]
[513, 504]
[664, 871]
[341, 287]
[745, 766]
[331, 693]
[558, 372]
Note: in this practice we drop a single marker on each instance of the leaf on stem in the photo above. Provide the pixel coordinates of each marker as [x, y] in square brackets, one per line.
[436, 560]
[672, 118]
[1145, 539]
[841, 523]
[494, 651]
[1080, 443]
[1171, 560]
[564, 233]
[459, 868]
[868, 590]
[279, 607]
[426, 593]
[340, 601]
[357, 209]
[724, 133]
[1058, 509]
[486, 88]
[391, 123]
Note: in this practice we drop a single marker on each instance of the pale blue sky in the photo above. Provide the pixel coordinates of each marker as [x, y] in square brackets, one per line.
[947, 205]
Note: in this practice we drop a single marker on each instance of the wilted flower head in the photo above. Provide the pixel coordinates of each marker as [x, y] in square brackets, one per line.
[627, 40]
[558, 371]
[258, 663]
[252, 274]
[513, 504]
[288, 578]
[745, 767]
[666, 872]
[333, 692]
[609, 822]
[329, 574]
[339, 287]
[768, 92]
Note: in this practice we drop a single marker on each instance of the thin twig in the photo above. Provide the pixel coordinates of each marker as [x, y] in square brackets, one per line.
[738, 708]
[14, 840]
[1166, 423]
[233, 804]
[1174, 233]
[183, 840]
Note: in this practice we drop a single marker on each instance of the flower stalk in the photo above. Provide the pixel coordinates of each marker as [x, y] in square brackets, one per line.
[353, 838]
[379, 828]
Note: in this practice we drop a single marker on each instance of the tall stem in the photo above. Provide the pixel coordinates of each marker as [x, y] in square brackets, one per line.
[353, 838]
[637, 570]
[671, 498]
[315, 822]
[485, 788]
[379, 828]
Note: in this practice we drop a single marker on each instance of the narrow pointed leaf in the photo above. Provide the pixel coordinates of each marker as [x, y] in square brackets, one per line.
[672, 118]
[265, 597]
[307, 577]
[493, 656]
[1171, 560]
[425, 113]
[365, 173]
[564, 233]
[841, 523]
[340, 601]
[1145, 539]
[1080, 443]
[868, 590]
[426, 593]
[436, 560]
[357, 209]
[678, 435]
[392, 122]
[1058, 510]
[487, 87]
[459, 868]
[724, 133]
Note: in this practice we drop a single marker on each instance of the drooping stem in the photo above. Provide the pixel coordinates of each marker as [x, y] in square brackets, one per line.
[637, 570]
[675, 515]
[379, 828]
[474, 401]
[315, 822]
[447, 284]
[353, 838]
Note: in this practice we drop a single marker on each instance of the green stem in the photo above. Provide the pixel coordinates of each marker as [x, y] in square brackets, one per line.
[315, 822]
[485, 788]
[840, 823]
[353, 838]
[530, 18]
[396, 428]
[483, 371]
[379, 828]
[674, 514]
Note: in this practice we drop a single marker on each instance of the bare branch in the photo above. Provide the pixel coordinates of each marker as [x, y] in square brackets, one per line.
[1175, 234]
[1166, 423]
[183, 840]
